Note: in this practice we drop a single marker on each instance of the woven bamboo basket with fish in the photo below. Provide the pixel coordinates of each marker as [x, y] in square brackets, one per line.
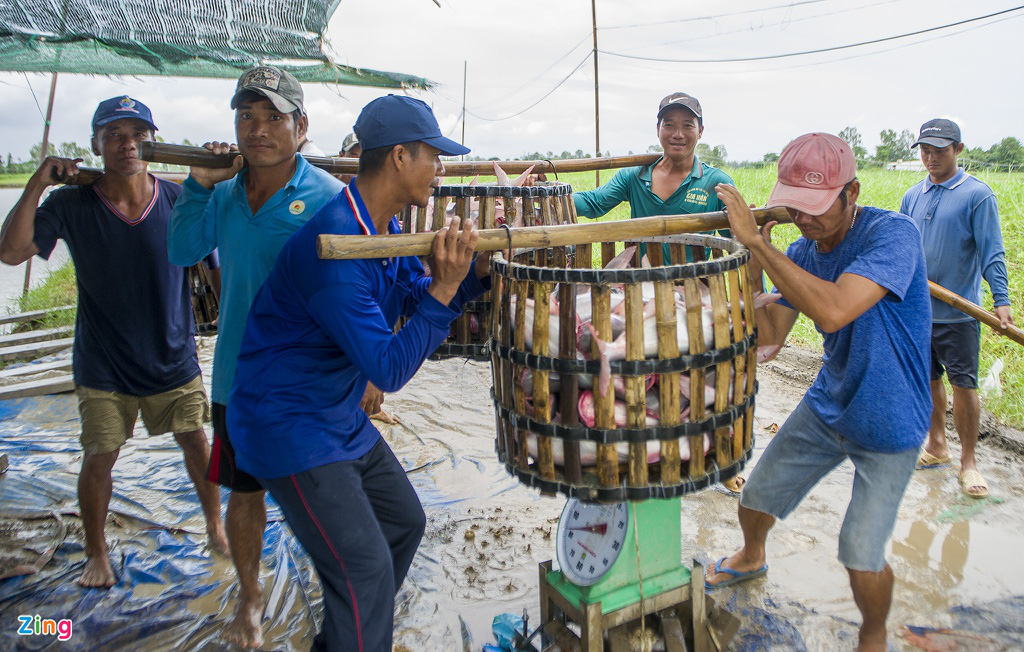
[596, 357]
[543, 204]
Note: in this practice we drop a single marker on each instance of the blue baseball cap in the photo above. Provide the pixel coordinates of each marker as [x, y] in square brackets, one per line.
[119, 108]
[395, 119]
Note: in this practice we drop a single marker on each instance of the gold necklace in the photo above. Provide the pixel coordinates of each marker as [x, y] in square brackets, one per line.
[856, 214]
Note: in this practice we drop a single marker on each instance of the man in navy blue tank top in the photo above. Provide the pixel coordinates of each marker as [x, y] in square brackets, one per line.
[134, 343]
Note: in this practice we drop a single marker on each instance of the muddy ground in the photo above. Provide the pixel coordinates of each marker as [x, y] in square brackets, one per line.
[486, 533]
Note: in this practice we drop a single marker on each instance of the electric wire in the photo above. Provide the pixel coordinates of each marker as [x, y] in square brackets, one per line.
[557, 61]
[834, 48]
[694, 19]
[542, 98]
[633, 64]
[787, 21]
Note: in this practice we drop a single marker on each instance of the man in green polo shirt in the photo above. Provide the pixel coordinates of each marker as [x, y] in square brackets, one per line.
[678, 183]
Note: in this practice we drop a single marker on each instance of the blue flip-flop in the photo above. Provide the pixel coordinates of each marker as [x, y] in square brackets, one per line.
[736, 578]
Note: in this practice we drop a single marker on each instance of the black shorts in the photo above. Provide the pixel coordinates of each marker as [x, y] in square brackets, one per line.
[955, 350]
[222, 469]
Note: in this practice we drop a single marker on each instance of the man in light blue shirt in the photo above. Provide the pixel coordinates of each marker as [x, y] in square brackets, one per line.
[959, 223]
[248, 212]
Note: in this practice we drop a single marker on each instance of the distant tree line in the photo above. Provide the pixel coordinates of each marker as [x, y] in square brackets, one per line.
[10, 165]
[1007, 154]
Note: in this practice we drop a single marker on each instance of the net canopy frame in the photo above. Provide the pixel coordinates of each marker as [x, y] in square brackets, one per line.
[180, 38]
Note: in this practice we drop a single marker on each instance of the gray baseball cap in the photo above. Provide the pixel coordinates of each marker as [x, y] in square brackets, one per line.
[681, 100]
[349, 142]
[278, 86]
[939, 133]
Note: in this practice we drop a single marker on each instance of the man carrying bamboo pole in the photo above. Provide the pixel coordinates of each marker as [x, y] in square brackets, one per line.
[317, 332]
[248, 213]
[859, 274]
[134, 337]
[959, 223]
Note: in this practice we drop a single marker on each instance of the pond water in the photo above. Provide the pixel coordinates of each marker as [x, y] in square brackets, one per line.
[12, 279]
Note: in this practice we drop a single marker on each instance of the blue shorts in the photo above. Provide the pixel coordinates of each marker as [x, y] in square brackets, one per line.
[802, 452]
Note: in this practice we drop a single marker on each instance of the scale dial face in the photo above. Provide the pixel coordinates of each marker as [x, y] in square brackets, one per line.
[590, 538]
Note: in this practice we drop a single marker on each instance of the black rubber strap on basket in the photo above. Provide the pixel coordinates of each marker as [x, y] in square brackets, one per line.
[625, 367]
[584, 276]
[472, 351]
[597, 494]
[633, 435]
[490, 190]
[554, 170]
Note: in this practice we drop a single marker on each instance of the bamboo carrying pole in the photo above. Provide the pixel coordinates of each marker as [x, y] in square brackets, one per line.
[198, 156]
[534, 237]
[976, 311]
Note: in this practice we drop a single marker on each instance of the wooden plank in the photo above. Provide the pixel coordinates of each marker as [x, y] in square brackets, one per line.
[563, 640]
[34, 350]
[651, 605]
[672, 632]
[38, 388]
[29, 369]
[33, 315]
[701, 636]
[38, 335]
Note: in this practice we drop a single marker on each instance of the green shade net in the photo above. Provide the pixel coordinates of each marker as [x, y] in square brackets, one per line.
[178, 38]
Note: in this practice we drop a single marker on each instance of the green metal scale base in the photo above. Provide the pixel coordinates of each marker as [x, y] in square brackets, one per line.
[657, 524]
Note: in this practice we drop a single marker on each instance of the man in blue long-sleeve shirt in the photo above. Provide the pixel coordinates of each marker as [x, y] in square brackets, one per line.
[959, 223]
[318, 331]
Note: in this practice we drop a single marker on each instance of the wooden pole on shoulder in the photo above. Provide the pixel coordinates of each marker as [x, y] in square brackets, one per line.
[155, 152]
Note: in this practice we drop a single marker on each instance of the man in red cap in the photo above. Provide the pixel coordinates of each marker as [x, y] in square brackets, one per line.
[858, 272]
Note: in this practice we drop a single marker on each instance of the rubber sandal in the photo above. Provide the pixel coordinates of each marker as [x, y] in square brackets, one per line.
[736, 578]
[928, 461]
[972, 479]
[734, 485]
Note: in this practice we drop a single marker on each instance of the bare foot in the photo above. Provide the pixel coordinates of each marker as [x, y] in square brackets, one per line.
[245, 629]
[384, 417]
[98, 572]
[217, 539]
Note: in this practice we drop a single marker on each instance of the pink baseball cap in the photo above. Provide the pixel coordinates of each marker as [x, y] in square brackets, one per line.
[812, 172]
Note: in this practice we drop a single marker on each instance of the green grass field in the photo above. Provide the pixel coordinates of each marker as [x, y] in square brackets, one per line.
[878, 188]
[14, 180]
[885, 189]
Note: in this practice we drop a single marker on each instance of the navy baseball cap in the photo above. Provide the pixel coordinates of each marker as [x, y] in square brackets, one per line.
[119, 108]
[395, 119]
[939, 133]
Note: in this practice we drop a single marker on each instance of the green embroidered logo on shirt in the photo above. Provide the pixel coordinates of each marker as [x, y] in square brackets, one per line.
[697, 196]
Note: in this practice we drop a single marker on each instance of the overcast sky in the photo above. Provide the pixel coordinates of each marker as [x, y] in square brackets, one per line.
[517, 52]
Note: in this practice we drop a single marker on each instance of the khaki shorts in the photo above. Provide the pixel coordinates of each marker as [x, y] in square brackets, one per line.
[108, 418]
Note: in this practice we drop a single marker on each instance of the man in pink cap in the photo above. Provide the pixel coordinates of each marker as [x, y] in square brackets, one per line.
[858, 272]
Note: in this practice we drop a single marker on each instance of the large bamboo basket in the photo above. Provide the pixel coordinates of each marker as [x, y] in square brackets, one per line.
[542, 437]
[543, 204]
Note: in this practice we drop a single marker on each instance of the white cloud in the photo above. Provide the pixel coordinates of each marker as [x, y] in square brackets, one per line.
[514, 54]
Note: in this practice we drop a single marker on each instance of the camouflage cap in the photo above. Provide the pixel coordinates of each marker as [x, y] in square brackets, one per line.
[278, 86]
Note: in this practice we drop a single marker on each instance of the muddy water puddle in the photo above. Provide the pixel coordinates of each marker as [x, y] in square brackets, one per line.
[486, 533]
